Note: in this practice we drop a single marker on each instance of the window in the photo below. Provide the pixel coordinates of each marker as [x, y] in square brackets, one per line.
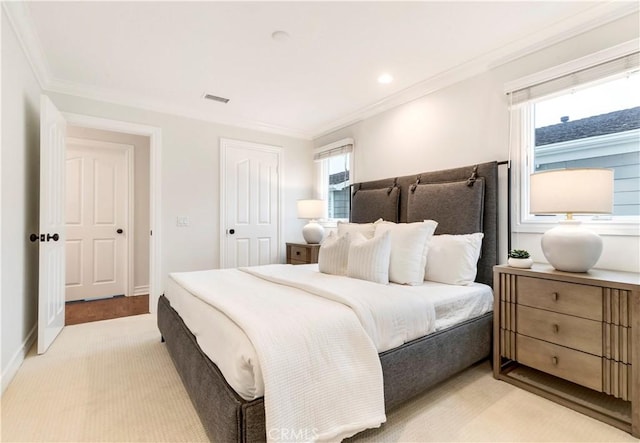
[586, 117]
[594, 127]
[334, 173]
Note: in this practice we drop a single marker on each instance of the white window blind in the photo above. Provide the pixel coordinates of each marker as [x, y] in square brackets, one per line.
[620, 65]
[331, 151]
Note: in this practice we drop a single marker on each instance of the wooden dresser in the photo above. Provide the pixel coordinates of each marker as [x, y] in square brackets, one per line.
[571, 337]
[302, 253]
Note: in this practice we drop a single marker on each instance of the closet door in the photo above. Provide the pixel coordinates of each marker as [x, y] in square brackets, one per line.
[250, 204]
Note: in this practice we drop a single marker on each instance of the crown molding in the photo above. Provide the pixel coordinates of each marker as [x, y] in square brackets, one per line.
[555, 33]
[24, 29]
[425, 87]
[133, 100]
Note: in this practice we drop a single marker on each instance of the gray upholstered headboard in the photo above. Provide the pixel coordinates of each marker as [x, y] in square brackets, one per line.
[462, 201]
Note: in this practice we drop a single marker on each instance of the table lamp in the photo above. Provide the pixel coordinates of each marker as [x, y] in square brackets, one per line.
[312, 210]
[569, 246]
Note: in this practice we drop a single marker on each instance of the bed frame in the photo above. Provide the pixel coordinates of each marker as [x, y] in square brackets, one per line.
[407, 370]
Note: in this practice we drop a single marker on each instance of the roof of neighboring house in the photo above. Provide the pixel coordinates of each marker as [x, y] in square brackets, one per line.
[338, 177]
[617, 121]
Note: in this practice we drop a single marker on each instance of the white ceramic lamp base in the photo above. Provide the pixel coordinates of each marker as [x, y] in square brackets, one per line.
[570, 247]
[313, 232]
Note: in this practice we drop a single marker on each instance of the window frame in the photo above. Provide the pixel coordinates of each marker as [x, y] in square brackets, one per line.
[522, 143]
[322, 176]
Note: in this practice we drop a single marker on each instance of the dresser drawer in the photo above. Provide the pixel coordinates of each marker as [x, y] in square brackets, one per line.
[566, 298]
[300, 254]
[578, 367]
[573, 332]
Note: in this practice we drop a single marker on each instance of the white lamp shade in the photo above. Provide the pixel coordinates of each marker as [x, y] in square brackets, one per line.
[310, 209]
[575, 191]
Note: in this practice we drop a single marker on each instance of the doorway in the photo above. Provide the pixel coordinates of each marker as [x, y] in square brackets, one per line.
[51, 257]
[147, 239]
[107, 223]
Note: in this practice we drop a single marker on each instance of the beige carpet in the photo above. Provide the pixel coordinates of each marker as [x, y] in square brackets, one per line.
[113, 381]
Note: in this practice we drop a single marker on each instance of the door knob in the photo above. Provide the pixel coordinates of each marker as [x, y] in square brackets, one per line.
[232, 231]
[119, 231]
[44, 237]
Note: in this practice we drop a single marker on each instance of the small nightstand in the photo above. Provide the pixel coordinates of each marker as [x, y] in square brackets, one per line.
[302, 253]
[573, 338]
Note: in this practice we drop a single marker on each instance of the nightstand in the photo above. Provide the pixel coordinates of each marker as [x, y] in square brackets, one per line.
[573, 338]
[302, 253]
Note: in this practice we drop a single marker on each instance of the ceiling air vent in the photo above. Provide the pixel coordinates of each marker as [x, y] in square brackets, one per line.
[215, 98]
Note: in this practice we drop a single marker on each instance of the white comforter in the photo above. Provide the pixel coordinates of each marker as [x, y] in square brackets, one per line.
[319, 358]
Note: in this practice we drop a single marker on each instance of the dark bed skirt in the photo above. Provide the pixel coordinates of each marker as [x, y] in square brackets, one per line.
[408, 371]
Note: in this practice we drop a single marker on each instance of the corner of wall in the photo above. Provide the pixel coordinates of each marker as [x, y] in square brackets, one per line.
[20, 165]
[10, 371]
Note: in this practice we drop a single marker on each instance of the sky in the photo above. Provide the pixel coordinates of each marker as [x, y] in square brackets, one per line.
[622, 93]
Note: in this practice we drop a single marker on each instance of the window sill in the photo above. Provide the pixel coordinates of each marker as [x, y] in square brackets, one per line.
[620, 228]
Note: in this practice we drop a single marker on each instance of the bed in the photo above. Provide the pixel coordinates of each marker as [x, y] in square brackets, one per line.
[464, 201]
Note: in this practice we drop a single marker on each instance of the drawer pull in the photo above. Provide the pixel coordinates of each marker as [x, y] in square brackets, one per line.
[554, 296]
[554, 360]
[556, 328]
[297, 252]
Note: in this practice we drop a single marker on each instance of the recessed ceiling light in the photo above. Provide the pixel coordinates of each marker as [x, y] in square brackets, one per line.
[280, 36]
[385, 79]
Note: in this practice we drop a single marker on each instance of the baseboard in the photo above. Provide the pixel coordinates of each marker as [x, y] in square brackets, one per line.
[141, 290]
[11, 370]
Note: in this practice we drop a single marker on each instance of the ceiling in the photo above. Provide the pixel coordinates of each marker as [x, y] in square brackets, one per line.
[164, 56]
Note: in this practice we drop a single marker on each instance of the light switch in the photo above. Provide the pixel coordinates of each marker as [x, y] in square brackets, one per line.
[182, 221]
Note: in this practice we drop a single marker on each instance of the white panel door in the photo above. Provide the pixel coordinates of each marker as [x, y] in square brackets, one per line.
[96, 220]
[251, 204]
[52, 229]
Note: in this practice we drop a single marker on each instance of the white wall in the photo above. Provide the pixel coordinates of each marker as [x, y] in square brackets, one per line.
[19, 193]
[468, 123]
[190, 178]
[448, 128]
[141, 194]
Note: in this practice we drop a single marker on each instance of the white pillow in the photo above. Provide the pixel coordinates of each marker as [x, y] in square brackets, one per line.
[334, 253]
[409, 247]
[366, 229]
[453, 259]
[369, 258]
